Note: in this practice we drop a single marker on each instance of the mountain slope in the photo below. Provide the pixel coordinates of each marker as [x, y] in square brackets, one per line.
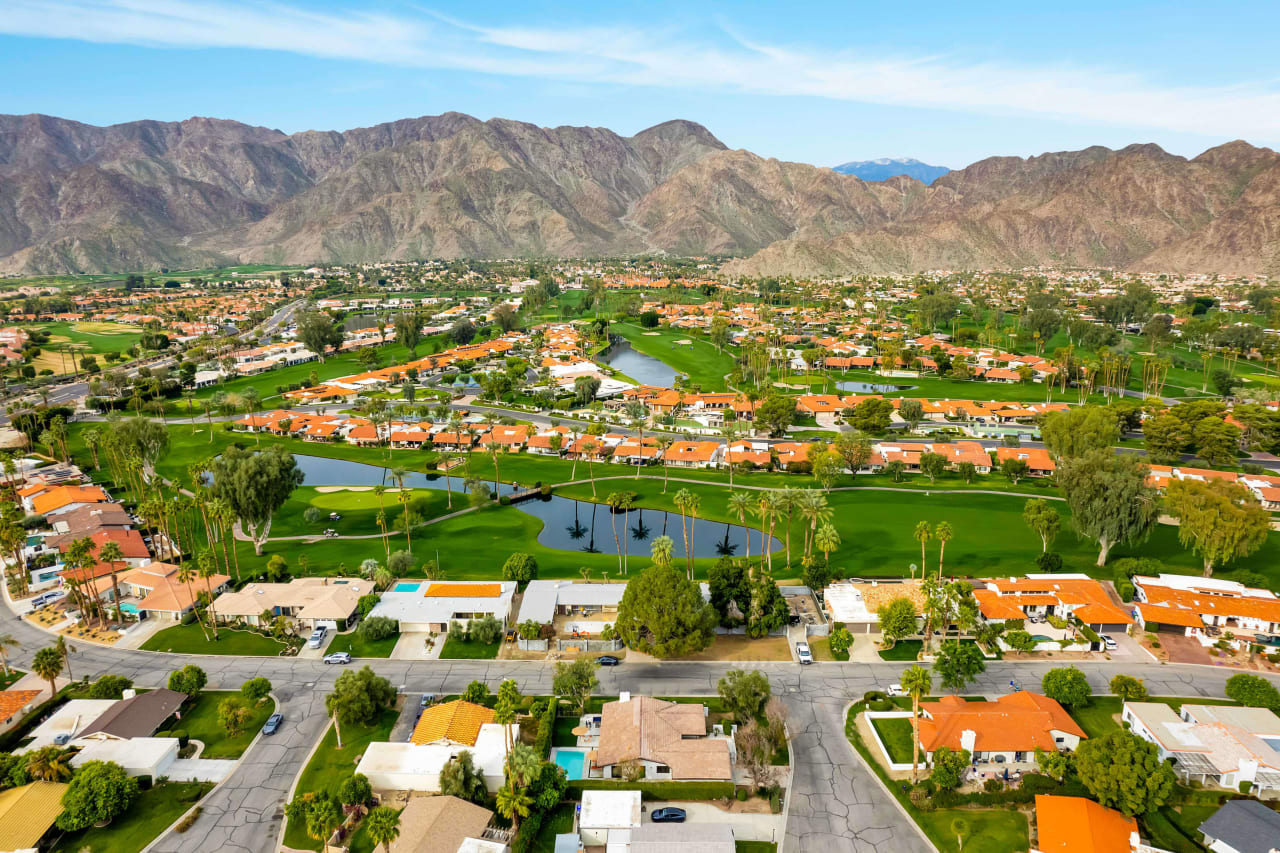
[891, 167]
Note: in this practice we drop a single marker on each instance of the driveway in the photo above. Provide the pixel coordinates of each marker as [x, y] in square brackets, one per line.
[746, 827]
[1184, 649]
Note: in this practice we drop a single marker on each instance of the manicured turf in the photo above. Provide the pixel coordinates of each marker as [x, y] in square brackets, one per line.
[705, 366]
[903, 650]
[6, 679]
[1102, 715]
[187, 640]
[330, 766]
[931, 387]
[359, 647]
[895, 733]
[202, 724]
[149, 815]
[558, 822]
[358, 511]
[454, 650]
[754, 847]
[990, 830]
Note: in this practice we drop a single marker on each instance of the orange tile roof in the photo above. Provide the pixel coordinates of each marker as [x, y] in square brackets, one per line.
[457, 721]
[13, 701]
[463, 590]
[1079, 825]
[1019, 721]
[61, 496]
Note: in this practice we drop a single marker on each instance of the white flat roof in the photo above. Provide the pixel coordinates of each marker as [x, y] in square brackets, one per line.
[542, 597]
[136, 753]
[72, 718]
[488, 755]
[414, 606]
[610, 809]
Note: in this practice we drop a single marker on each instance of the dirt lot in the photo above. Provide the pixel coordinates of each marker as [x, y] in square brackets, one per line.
[739, 647]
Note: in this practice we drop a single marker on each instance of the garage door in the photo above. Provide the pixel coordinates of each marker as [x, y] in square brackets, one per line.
[331, 624]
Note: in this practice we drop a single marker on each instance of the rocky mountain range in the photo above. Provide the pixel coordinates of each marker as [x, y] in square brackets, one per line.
[142, 195]
[891, 167]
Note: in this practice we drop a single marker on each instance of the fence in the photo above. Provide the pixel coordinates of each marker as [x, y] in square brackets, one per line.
[589, 645]
[531, 645]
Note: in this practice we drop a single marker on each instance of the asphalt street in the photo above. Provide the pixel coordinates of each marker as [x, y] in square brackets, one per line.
[837, 804]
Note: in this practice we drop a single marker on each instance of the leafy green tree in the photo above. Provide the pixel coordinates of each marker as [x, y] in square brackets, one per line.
[948, 767]
[256, 689]
[459, 778]
[1253, 691]
[776, 413]
[730, 586]
[662, 613]
[745, 693]
[234, 714]
[957, 664]
[409, 331]
[400, 563]
[189, 680]
[872, 415]
[255, 484]
[521, 568]
[1165, 437]
[768, 610]
[316, 330]
[99, 792]
[1054, 764]
[1066, 685]
[1217, 519]
[1128, 688]
[840, 642]
[1122, 771]
[1043, 520]
[576, 681]
[476, 693]
[380, 628]
[1019, 641]
[109, 687]
[366, 603]
[1110, 499]
[932, 465]
[358, 697]
[898, 619]
[1079, 430]
[1216, 441]
[355, 791]
[1014, 469]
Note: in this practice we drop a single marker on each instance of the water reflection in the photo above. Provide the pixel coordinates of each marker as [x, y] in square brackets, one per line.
[643, 368]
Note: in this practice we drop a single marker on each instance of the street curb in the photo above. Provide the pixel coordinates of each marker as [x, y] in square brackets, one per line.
[791, 781]
[293, 787]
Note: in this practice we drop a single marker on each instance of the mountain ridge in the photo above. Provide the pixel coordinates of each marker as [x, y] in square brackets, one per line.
[883, 168]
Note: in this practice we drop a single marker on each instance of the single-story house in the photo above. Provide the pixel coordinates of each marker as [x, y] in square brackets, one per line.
[544, 600]
[682, 838]
[1206, 607]
[1065, 595]
[137, 715]
[67, 722]
[607, 818]
[27, 813]
[311, 602]
[1215, 744]
[16, 704]
[432, 605]
[439, 825]
[139, 756]
[1008, 730]
[1242, 826]
[155, 592]
[1079, 825]
[668, 740]
[417, 766]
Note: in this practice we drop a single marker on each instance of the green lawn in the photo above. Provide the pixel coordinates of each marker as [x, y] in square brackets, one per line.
[990, 830]
[187, 640]
[754, 847]
[454, 650]
[562, 733]
[903, 650]
[557, 822]
[358, 511]
[359, 647]
[929, 386]
[149, 815]
[895, 733]
[330, 766]
[1102, 715]
[7, 679]
[705, 366]
[202, 724]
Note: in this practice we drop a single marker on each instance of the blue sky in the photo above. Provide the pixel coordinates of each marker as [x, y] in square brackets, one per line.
[945, 82]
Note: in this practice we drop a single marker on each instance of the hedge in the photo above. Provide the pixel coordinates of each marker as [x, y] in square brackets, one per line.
[659, 790]
[546, 728]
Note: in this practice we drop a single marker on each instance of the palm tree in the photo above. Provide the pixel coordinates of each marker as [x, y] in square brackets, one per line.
[917, 682]
[628, 503]
[614, 500]
[740, 505]
[661, 550]
[47, 664]
[65, 649]
[943, 534]
[665, 444]
[730, 432]
[816, 511]
[398, 474]
[208, 567]
[445, 458]
[695, 503]
[513, 803]
[922, 535]
[683, 499]
[7, 641]
[764, 510]
[186, 575]
[50, 764]
[589, 447]
[383, 826]
[827, 539]
[788, 500]
[111, 554]
[249, 397]
[403, 497]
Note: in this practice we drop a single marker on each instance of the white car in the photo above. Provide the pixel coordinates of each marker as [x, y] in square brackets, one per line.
[803, 653]
[338, 657]
[896, 690]
[317, 638]
[1108, 642]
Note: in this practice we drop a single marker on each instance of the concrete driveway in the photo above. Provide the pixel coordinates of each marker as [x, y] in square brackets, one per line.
[1184, 649]
[746, 827]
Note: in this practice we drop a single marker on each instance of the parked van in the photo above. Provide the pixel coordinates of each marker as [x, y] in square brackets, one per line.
[46, 598]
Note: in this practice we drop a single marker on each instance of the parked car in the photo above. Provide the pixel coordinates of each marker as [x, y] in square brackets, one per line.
[608, 660]
[273, 724]
[317, 638]
[427, 700]
[46, 598]
[670, 814]
[1108, 642]
[803, 653]
[896, 690]
[338, 657]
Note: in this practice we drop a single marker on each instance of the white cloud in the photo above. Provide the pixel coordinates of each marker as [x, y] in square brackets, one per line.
[654, 57]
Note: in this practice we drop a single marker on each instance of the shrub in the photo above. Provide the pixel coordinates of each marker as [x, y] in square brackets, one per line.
[109, 687]
[378, 628]
[775, 803]
[255, 689]
[742, 795]
[1019, 641]
[366, 604]
[312, 515]
[355, 791]
[1253, 691]
[1153, 627]
[485, 630]
[457, 631]
[1125, 589]
[182, 737]
[189, 821]
[1049, 562]
[521, 568]
[1128, 688]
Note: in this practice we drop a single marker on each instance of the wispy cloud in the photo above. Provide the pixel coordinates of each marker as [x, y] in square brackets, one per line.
[632, 56]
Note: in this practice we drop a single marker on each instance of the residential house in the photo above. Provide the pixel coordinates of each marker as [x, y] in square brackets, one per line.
[432, 605]
[1212, 744]
[441, 733]
[15, 705]
[668, 740]
[28, 812]
[1079, 825]
[58, 500]
[1064, 595]
[607, 818]
[310, 602]
[1242, 826]
[682, 838]
[139, 756]
[543, 600]
[155, 592]
[440, 825]
[1039, 463]
[1008, 730]
[1209, 609]
[694, 454]
[136, 715]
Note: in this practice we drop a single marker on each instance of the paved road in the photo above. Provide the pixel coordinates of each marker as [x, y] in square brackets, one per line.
[837, 804]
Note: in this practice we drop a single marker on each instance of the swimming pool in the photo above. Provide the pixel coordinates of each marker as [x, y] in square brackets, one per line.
[1041, 638]
[406, 587]
[572, 761]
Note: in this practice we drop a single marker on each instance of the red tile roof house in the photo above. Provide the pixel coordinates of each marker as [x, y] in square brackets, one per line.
[1207, 608]
[1006, 731]
[1038, 460]
[694, 454]
[1001, 599]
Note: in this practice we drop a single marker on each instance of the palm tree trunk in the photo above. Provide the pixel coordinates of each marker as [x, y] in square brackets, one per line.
[337, 730]
[915, 738]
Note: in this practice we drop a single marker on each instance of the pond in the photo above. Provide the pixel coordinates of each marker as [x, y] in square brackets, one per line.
[573, 525]
[568, 524]
[872, 387]
[642, 368]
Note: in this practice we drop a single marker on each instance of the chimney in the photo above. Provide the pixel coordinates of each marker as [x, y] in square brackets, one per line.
[624, 696]
[968, 738]
[129, 693]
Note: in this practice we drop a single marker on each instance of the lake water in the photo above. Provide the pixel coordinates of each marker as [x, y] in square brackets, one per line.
[871, 387]
[568, 524]
[643, 368]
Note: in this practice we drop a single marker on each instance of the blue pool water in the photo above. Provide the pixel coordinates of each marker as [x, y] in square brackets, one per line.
[572, 762]
[407, 587]
[129, 607]
[1041, 638]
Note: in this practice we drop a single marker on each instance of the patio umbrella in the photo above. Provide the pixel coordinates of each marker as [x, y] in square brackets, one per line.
[579, 731]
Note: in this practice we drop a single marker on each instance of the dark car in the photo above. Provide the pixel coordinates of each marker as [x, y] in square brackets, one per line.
[670, 814]
[273, 724]
[607, 660]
